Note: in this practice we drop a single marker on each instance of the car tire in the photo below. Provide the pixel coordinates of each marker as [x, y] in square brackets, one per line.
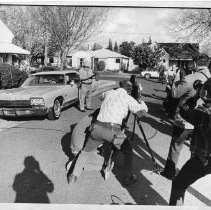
[55, 112]
[147, 76]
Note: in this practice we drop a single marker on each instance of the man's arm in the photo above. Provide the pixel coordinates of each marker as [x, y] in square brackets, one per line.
[179, 88]
[136, 107]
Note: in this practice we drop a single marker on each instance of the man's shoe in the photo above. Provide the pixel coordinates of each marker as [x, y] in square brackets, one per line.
[71, 179]
[82, 110]
[130, 180]
[167, 176]
[89, 109]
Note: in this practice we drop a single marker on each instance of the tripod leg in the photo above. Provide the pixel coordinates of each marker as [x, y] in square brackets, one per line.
[148, 147]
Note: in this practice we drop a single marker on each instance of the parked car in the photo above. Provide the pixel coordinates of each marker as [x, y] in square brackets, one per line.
[147, 74]
[43, 93]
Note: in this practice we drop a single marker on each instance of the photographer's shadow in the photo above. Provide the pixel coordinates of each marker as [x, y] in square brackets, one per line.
[141, 191]
[32, 185]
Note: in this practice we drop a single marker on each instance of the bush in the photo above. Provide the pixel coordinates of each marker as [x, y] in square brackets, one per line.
[11, 77]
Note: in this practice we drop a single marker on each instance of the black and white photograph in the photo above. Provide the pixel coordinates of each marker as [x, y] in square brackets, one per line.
[105, 103]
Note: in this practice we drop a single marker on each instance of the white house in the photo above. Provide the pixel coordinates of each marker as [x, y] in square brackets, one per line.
[7, 49]
[112, 60]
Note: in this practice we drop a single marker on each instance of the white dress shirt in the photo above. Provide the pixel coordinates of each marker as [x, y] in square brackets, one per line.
[116, 104]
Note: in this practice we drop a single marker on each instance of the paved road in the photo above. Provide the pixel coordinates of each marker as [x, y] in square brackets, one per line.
[46, 142]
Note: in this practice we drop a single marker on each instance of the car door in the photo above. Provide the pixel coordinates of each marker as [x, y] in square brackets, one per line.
[72, 88]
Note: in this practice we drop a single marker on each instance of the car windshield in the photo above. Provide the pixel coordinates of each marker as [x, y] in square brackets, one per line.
[45, 79]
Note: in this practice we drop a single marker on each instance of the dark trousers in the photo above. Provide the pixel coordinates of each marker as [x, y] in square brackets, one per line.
[190, 172]
[179, 135]
[98, 136]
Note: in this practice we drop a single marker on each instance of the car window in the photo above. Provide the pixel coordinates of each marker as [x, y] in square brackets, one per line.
[72, 77]
[48, 79]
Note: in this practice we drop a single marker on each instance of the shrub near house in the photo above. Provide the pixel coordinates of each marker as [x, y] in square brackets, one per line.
[11, 77]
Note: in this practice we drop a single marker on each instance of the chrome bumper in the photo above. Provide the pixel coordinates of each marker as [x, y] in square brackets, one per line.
[15, 112]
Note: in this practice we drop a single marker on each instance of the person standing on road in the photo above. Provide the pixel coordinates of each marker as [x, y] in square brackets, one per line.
[184, 89]
[199, 164]
[162, 70]
[107, 128]
[135, 93]
[85, 90]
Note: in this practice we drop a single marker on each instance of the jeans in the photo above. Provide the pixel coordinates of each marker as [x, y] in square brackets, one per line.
[190, 172]
[179, 136]
[98, 136]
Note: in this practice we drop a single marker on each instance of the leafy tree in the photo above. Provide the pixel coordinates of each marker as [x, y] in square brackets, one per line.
[27, 32]
[190, 25]
[69, 27]
[96, 46]
[150, 40]
[126, 48]
[116, 49]
[110, 45]
[147, 56]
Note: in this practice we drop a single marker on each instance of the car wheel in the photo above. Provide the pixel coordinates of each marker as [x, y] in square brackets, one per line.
[147, 76]
[55, 111]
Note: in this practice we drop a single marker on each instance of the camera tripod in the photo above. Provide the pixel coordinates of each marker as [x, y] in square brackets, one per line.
[109, 161]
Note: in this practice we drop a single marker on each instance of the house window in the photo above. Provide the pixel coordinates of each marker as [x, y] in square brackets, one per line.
[51, 60]
[117, 60]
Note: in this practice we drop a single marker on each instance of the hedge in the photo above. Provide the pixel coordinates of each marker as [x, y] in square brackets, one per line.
[11, 77]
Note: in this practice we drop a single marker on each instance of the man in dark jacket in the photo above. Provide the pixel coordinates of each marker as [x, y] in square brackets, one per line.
[199, 163]
[184, 89]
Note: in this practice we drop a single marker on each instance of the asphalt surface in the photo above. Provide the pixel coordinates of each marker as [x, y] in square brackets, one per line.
[47, 142]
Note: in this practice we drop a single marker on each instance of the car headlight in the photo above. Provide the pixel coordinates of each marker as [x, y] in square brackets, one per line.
[37, 102]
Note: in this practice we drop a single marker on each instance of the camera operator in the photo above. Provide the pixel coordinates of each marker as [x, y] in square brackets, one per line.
[184, 89]
[199, 163]
[107, 128]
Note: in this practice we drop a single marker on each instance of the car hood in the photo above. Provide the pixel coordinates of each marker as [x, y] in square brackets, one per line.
[24, 93]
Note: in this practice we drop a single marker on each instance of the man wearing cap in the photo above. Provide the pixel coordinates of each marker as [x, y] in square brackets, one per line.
[184, 89]
[107, 128]
[199, 164]
[85, 90]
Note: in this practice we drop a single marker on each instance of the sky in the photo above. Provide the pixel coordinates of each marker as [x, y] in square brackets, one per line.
[135, 24]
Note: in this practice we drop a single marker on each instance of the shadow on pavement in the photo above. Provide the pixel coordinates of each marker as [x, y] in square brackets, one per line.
[24, 118]
[141, 191]
[32, 185]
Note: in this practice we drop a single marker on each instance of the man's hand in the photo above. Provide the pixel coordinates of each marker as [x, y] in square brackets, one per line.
[141, 113]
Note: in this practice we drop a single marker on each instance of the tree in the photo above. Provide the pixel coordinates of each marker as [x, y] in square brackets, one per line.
[147, 57]
[110, 45]
[190, 25]
[116, 49]
[126, 48]
[96, 46]
[27, 32]
[150, 40]
[69, 27]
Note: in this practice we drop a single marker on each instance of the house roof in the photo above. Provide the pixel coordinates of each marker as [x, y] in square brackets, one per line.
[105, 53]
[183, 51]
[6, 47]
[5, 34]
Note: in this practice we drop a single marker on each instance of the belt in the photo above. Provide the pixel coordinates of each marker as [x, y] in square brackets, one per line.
[86, 83]
[109, 126]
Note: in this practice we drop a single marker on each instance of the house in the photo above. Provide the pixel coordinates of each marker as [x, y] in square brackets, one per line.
[180, 54]
[113, 61]
[7, 49]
